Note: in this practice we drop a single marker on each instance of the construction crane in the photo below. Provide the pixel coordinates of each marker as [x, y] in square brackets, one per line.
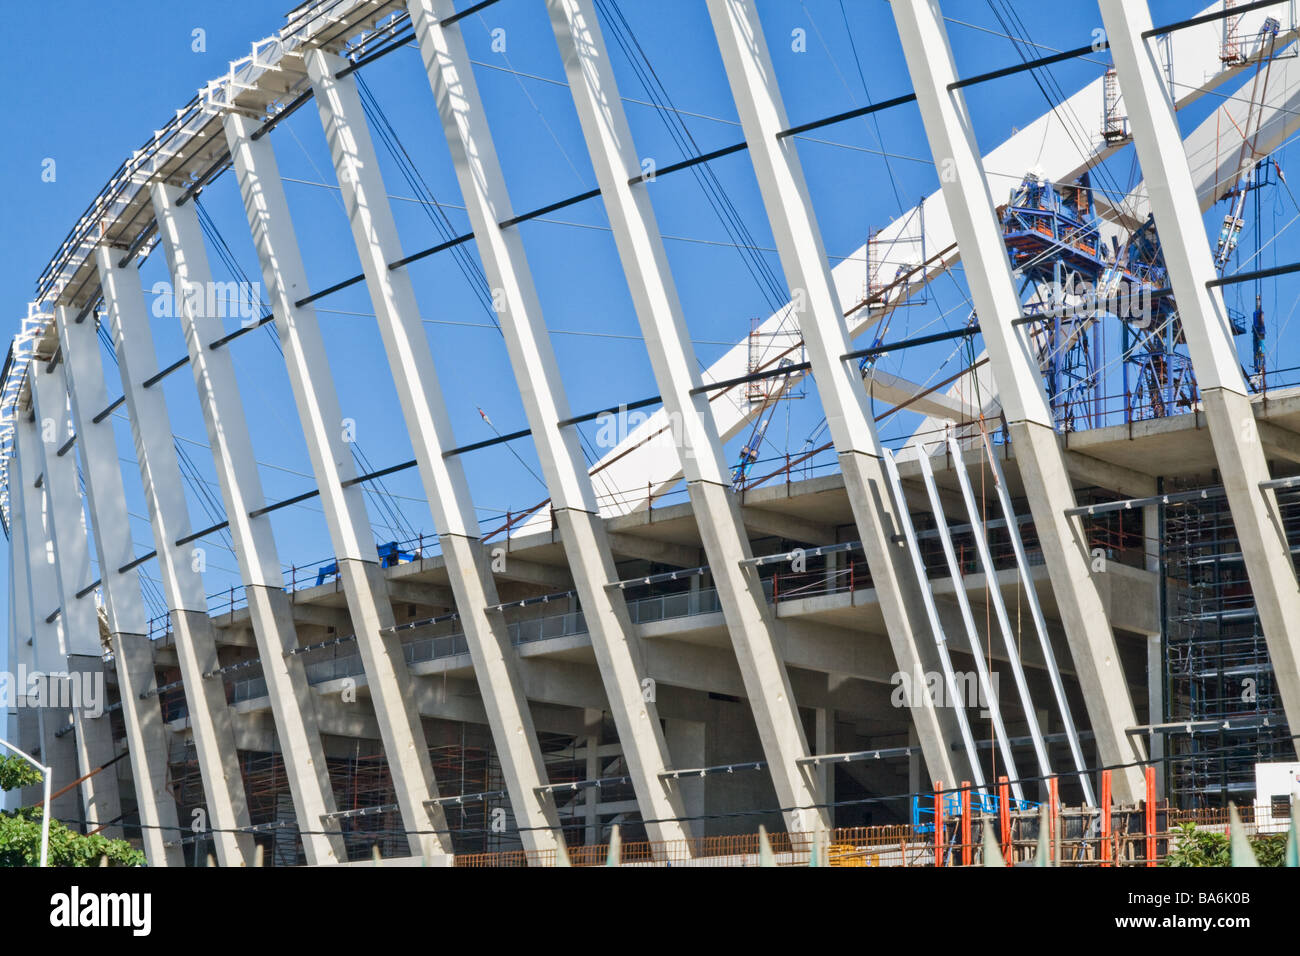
[749, 453]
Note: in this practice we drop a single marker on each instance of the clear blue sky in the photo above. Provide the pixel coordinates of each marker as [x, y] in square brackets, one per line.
[91, 86]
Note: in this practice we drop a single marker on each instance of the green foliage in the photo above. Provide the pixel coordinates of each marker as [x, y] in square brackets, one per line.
[1270, 850]
[1192, 847]
[20, 844]
[16, 773]
[20, 831]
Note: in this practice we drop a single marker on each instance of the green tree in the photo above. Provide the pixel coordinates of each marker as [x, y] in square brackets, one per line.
[20, 831]
[1193, 847]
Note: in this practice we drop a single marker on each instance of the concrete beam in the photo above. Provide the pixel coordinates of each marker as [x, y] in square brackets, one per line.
[196, 649]
[532, 359]
[123, 602]
[334, 469]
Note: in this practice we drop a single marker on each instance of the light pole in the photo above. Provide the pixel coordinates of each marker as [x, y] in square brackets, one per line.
[45, 812]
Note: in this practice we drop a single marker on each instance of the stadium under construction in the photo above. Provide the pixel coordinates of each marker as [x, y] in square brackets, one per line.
[996, 511]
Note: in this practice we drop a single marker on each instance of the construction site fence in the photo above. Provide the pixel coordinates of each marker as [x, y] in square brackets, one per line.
[1135, 839]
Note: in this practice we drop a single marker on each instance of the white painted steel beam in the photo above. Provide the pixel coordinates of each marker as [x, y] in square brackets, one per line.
[576, 512]
[1040, 624]
[751, 623]
[968, 622]
[292, 701]
[307, 362]
[146, 738]
[955, 699]
[1019, 386]
[754, 88]
[79, 617]
[415, 376]
[187, 606]
[1234, 432]
[985, 557]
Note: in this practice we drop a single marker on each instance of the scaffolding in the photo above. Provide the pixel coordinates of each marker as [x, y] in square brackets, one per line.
[1219, 684]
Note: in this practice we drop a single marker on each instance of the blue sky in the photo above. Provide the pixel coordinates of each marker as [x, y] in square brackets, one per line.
[89, 92]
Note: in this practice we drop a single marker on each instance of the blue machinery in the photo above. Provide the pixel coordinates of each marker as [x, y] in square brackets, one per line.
[389, 555]
[986, 803]
[1074, 280]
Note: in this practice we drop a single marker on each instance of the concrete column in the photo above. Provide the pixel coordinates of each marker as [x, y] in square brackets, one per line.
[686, 743]
[293, 705]
[592, 720]
[196, 646]
[79, 617]
[407, 346]
[914, 768]
[364, 584]
[22, 653]
[825, 743]
[1019, 386]
[817, 307]
[1210, 344]
[146, 738]
[21, 725]
[750, 621]
[617, 649]
[48, 656]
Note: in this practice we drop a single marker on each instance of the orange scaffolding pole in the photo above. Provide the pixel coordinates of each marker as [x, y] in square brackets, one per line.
[1104, 850]
[1053, 809]
[938, 823]
[965, 823]
[1151, 816]
[1004, 817]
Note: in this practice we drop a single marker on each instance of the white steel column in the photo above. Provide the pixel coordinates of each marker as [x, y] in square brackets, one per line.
[364, 584]
[1228, 409]
[617, 649]
[968, 621]
[750, 621]
[416, 379]
[146, 738]
[293, 705]
[794, 226]
[57, 752]
[196, 646]
[83, 652]
[1020, 388]
[980, 536]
